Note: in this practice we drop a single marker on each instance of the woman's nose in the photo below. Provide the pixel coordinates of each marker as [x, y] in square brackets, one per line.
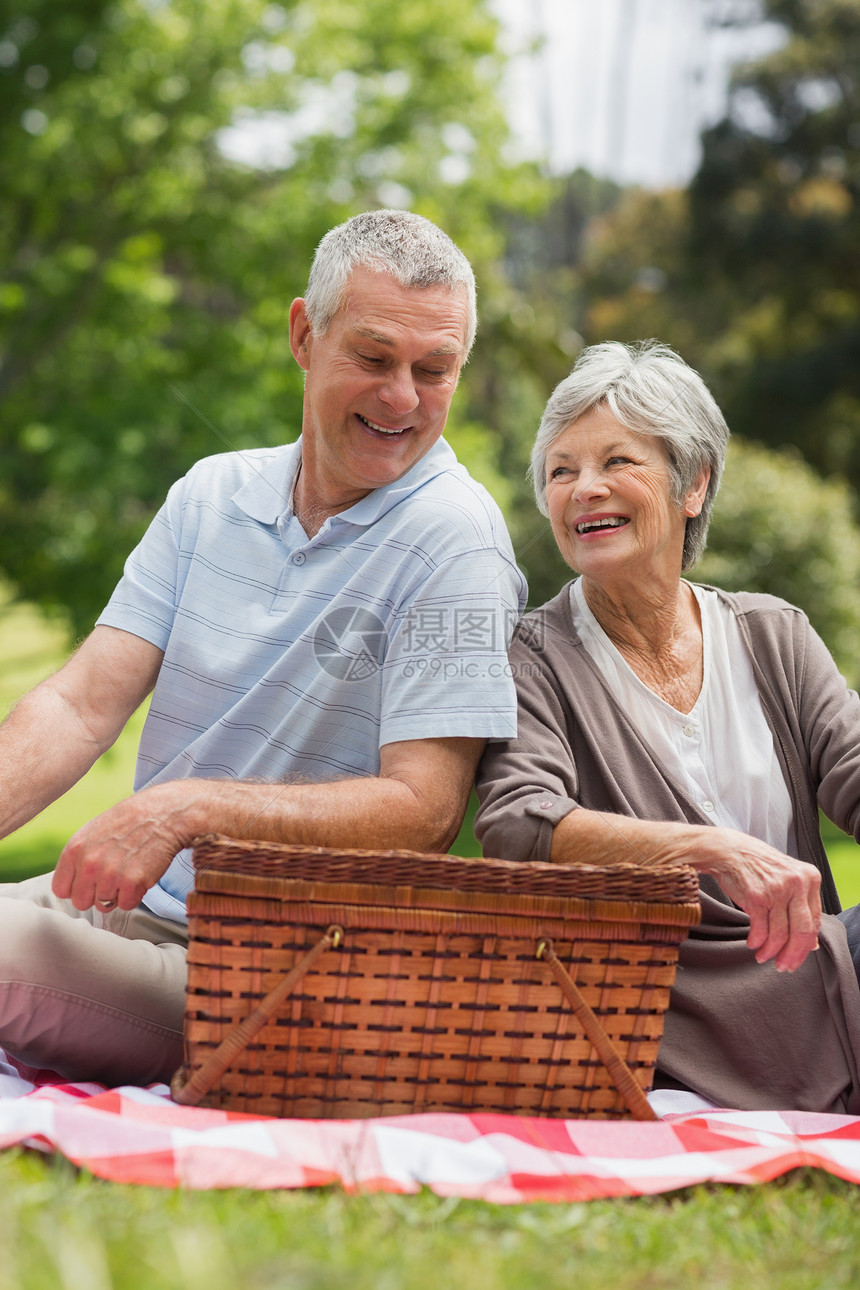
[592, 482]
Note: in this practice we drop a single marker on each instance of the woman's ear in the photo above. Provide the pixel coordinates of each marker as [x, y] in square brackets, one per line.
[695, 498]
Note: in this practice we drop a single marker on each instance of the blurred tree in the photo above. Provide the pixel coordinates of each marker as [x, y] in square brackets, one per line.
[775, 220]
[531, 321]
[636, 278]
[779, 528]
[148, 266]
[754, 276]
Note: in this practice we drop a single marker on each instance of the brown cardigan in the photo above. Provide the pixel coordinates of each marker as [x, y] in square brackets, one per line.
[740, 1033]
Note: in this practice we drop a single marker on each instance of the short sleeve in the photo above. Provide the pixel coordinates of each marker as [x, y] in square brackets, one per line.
[145, 598]
[446, 670]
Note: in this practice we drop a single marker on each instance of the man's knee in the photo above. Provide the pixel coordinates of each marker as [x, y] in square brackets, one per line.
[86, 1002]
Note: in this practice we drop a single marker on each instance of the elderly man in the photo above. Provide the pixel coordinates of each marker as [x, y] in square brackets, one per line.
[323, 628]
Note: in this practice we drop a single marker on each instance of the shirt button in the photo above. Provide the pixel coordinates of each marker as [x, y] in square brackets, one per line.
[689, 730]
[707, 806]
[299, 557]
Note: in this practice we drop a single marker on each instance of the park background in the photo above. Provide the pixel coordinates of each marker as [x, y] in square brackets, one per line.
[680, 169]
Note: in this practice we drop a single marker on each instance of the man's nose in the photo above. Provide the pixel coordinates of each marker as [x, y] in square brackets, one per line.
[398, 391]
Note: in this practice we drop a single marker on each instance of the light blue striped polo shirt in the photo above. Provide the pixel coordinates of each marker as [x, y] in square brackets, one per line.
[296, 657]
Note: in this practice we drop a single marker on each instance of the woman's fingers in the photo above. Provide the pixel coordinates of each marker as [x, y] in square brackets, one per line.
[804, 919]
[781, 896]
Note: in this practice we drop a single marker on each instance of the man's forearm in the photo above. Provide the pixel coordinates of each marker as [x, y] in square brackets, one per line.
[119, 855]
[372, 812]
[417, 802]
[44, 750]
[57, 731]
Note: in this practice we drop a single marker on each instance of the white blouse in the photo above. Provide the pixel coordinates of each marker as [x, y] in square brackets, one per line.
[722, 752]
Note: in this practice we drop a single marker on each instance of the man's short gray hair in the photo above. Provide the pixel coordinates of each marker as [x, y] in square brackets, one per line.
[650, 390]
[412, 249]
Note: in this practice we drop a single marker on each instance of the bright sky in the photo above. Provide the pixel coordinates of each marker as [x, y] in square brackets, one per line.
[622, 87]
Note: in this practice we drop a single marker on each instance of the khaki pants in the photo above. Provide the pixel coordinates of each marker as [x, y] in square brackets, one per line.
[92, 996]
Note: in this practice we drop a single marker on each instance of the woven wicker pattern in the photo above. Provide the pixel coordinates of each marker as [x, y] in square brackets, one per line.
[435, 1000]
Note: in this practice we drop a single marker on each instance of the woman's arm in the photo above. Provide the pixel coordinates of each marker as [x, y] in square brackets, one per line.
[576, 786]
[780, 895]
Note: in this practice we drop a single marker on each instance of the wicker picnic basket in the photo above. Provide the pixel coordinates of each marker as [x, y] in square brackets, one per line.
[341, 984]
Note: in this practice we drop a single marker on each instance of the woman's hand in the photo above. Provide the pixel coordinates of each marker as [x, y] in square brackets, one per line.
[779, 894]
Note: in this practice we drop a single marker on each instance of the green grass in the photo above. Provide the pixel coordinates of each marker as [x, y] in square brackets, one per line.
[61, 1229]
[67, 1230]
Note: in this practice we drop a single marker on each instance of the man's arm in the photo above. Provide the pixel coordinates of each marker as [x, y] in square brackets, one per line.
[417, 802]
[56, 732]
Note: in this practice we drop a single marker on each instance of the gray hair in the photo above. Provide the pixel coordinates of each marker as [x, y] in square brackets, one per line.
[650, 390]
[413, 250]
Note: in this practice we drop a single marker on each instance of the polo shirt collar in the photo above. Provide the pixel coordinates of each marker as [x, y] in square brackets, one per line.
[381, 500]
[266, 498]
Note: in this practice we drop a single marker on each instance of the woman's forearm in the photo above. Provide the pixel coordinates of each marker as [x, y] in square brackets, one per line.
[778, 893]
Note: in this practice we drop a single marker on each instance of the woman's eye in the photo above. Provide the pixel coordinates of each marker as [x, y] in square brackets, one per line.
[559, 471]
[618, 461]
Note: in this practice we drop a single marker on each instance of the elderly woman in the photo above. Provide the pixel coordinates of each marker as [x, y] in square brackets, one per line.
[662, 721]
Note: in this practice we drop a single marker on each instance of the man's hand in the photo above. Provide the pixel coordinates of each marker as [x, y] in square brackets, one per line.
[781, 896]
[417, 801]
[113, 860]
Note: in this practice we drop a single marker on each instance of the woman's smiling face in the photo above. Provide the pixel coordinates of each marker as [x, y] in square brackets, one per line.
[608, 491]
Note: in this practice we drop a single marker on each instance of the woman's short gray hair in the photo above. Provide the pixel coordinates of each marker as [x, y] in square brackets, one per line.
[651, 390]
[409, 247]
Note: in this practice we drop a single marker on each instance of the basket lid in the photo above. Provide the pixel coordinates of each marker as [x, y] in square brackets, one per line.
[676, 885]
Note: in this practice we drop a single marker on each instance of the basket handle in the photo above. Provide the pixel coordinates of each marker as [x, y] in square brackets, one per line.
[620, 1073]
[188, 1092]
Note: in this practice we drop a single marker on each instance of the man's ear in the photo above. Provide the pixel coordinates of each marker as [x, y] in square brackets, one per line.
[300, 333]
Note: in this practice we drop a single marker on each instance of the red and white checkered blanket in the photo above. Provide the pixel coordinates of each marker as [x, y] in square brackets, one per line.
[140, 1136]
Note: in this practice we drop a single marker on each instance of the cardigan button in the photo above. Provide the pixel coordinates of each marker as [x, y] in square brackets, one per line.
[544, 806]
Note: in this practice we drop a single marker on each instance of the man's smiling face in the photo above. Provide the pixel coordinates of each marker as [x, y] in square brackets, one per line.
[379, 384]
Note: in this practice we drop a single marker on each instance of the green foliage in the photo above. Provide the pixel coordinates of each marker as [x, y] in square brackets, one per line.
[775, 213]
[531, 306]
[147, 277]
[754, 277]
[779, 528]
